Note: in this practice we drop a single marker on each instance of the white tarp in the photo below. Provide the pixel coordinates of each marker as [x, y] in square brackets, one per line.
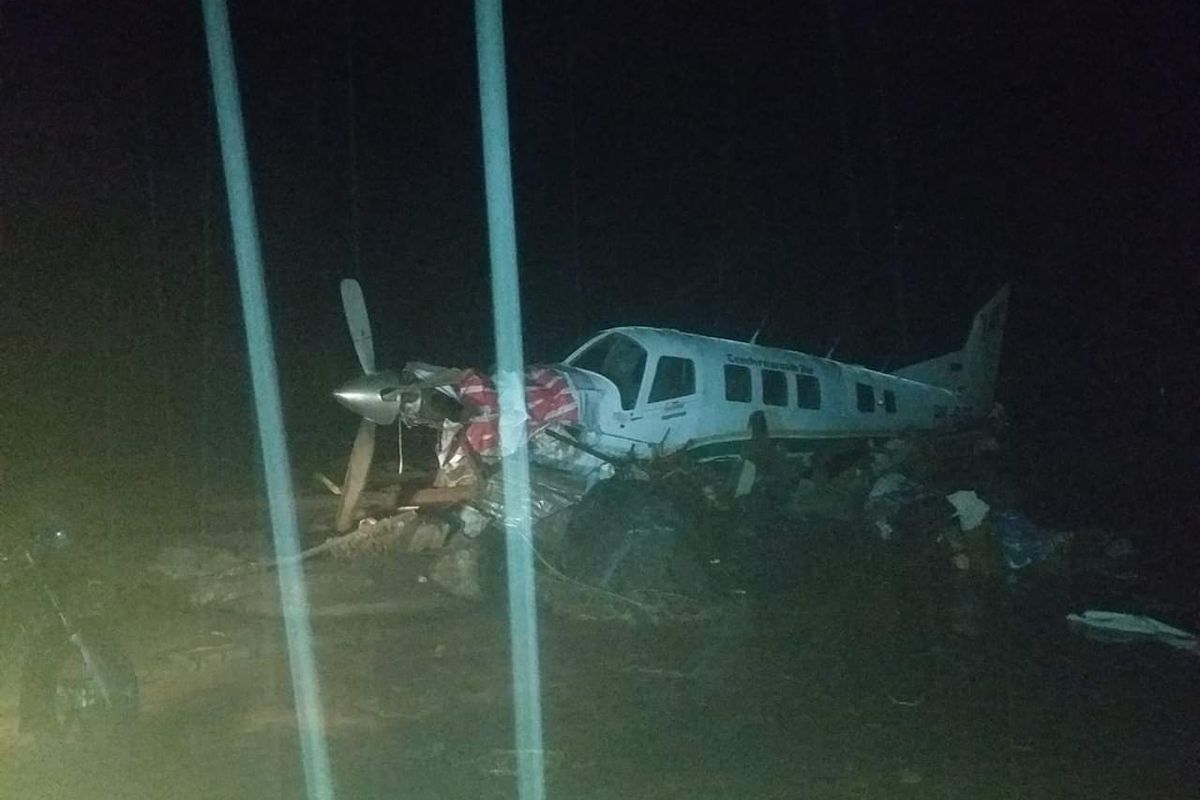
[1113, 626]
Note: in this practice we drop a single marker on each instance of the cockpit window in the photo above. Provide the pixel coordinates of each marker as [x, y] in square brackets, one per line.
[621, 360]
[675, 377]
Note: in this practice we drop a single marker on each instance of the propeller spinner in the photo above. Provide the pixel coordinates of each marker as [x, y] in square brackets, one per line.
[377, 397]
[373, 396]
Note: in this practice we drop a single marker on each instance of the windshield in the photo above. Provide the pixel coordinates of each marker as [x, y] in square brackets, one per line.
[621, 360]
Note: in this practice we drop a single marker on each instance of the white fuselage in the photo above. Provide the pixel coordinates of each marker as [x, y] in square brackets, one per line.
[645, 390]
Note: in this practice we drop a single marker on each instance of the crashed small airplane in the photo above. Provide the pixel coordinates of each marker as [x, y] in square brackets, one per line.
[635, 393]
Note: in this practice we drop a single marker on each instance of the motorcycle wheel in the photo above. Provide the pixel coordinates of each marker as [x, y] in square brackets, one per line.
[78, 687]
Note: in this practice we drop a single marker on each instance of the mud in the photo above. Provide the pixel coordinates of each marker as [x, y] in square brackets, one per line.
[821, 685]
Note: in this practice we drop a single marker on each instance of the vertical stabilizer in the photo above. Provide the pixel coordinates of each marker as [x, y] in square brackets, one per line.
[972, 370]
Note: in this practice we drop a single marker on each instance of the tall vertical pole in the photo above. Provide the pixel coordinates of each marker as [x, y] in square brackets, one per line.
[510, 369]
[267, 406]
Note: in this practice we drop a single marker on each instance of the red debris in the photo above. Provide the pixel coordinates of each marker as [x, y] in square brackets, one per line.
[549, 399]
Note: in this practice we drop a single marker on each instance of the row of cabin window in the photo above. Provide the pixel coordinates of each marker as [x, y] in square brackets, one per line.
[676, 377]
[739, 389]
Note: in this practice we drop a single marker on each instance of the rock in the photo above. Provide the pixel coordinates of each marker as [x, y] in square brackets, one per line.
[428, 536]
[457, 572]
[473, 521]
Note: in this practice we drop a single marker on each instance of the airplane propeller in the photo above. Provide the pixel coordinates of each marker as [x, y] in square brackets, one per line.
[373, 395]
[377, 397]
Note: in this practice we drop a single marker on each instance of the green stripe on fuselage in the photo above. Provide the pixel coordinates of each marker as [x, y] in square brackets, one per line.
[793, 446]
[797, 445]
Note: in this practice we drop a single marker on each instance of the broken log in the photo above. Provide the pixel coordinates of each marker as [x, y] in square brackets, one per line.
[438, 496]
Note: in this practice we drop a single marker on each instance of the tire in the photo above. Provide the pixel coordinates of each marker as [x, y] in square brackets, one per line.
[78, 688]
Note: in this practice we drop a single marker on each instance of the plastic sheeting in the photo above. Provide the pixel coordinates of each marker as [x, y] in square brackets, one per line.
[1021, 541]
[550, 491]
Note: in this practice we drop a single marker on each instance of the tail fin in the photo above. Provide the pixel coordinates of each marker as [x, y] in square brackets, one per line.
[971, 371]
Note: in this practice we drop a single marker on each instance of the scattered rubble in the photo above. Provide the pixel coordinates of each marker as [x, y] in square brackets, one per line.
[672, 538]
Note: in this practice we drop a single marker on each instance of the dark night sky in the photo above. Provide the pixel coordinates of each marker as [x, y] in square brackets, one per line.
[685, 164]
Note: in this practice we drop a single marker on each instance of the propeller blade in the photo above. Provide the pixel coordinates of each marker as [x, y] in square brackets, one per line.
[356, 474]
[359, 322]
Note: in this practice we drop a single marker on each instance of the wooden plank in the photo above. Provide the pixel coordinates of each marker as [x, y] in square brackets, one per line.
[439, 496]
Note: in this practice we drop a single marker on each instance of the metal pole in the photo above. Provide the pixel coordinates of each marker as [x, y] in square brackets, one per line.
[265, 380]
[510, 370]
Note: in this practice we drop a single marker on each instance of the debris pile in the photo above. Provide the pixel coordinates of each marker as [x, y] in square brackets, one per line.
[674, 538]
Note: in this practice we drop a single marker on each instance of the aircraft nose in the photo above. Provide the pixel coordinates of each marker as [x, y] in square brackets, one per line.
[364, 396]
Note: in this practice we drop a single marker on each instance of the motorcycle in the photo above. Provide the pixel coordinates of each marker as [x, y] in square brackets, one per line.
[76, 677]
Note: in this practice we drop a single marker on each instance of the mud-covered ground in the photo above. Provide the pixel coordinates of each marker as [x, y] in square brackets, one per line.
[829, 683]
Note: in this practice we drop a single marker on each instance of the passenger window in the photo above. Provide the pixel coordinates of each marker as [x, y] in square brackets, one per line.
[737, 383]
[808, 391]
[674, 377]
[866, 398]
[889, 401]
[774, 388]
